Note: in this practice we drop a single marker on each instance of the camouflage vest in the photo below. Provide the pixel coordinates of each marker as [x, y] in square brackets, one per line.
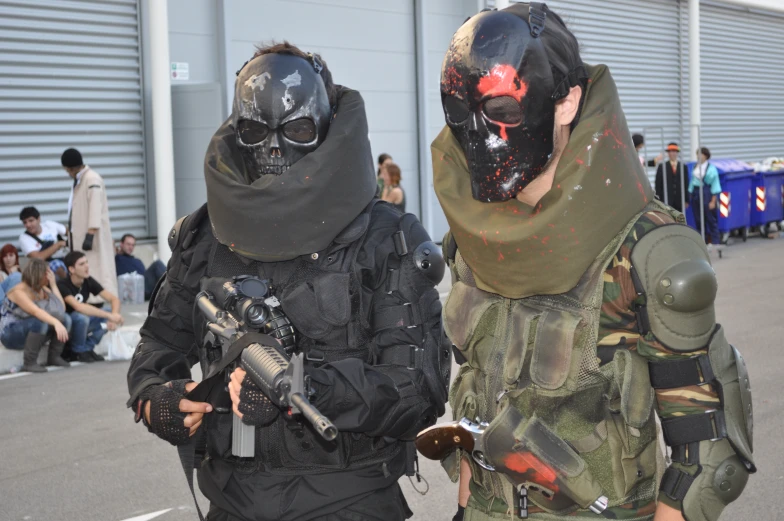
[538, 355]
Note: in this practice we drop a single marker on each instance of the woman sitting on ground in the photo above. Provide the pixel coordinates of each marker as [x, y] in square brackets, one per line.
[32, 313]
[10, 274]
[393, 193]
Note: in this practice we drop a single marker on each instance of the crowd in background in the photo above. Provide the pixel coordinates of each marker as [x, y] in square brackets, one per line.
[678, 189]
[64, 299]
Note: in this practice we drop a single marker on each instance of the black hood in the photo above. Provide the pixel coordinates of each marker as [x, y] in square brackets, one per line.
[278, 218]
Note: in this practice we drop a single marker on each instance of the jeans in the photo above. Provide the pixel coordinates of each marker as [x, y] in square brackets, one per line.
[10, 281]
[86, 332]
[15, 334]
[712, 234]
[151, 277]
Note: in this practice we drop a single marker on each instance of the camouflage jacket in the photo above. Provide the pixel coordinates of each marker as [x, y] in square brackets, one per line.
[618, 326]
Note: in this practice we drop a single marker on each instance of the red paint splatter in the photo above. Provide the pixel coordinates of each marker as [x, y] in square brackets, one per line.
[503, 81]
[642, 191]
[580, 161]
[500, 256]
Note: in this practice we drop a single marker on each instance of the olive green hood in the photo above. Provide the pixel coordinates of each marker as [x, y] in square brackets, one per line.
[516, 250]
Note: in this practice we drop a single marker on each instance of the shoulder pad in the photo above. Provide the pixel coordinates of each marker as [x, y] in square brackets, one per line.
[175, 232]
[672, 267]
[184, 226]
[430, 261]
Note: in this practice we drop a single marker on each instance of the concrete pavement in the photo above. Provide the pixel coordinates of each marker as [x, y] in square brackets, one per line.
[70, 451]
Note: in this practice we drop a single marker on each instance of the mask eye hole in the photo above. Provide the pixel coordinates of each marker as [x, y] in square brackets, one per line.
[503, 109]
[300, 130]
[252, 132]
[456, 110]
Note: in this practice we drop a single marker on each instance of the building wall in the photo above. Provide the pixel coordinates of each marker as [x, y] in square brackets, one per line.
[372, 46]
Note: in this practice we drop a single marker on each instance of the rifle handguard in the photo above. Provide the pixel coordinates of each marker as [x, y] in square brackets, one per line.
[283, 382]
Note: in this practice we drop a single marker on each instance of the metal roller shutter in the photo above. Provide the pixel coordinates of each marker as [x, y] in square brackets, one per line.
[639, 42]
[742, 88]
[70, 76]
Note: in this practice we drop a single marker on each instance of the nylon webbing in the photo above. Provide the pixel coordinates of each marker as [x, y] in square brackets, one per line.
[675, 483]
[688, 454]
[681, 373]
[405, 315]
[694, 427]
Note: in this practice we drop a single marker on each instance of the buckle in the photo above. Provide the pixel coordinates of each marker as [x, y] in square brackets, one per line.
[537, 16]
[719, 424]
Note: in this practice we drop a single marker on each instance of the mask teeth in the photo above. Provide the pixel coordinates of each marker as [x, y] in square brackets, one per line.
[273, 169]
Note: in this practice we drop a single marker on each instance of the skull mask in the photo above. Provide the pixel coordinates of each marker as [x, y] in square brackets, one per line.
[496, 87]
[281, 112]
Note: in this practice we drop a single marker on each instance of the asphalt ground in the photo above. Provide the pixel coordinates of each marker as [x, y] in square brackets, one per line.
[69, 449]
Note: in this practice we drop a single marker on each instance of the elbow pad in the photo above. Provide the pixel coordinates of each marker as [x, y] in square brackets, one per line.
[712, 452]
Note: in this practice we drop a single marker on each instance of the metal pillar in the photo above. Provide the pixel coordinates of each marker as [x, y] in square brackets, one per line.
[163, 147]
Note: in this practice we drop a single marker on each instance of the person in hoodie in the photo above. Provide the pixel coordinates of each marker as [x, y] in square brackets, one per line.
[291, 200]
[580, 306]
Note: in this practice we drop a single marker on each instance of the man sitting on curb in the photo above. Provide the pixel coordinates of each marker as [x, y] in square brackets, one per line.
[44, 240]
[125, 262]
[87, 329]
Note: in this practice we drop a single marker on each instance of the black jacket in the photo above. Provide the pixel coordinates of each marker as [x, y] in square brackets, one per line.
[372, 400]
[676, 187]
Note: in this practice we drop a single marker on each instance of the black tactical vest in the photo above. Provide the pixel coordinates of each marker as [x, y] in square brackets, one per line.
[323, 297]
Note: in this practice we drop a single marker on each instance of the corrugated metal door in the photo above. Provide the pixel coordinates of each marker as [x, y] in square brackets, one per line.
[70, 76]
[741, 80]
[639, 41]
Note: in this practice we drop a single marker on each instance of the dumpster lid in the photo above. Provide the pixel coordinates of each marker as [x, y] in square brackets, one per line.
[727, 166]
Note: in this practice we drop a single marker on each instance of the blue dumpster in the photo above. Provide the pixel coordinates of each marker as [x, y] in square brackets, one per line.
[735, 201]
[768, 199]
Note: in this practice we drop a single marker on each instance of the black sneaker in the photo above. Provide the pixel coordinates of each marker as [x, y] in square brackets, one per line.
[96, 356]
[85, 357]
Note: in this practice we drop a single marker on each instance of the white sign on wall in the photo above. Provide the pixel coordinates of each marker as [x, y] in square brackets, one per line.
[179, 71]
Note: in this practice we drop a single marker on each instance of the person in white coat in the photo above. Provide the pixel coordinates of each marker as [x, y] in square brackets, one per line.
[88, 221]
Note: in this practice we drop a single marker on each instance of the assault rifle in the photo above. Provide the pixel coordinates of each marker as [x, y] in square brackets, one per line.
[280, 379]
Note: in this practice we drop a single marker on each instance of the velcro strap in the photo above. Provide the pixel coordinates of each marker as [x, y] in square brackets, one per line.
[406, 356]
[406, 315]
[681, 373]
[392, 281]
[675, 483]
[694, 427]
[688, 454]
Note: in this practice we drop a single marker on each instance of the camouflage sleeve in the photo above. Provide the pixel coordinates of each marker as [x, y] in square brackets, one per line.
[618, 327]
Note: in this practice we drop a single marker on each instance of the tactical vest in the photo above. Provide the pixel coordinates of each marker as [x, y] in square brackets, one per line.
[538, 356]
[322, 296]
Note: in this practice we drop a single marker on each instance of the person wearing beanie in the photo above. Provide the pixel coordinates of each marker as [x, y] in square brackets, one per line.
[88, 219]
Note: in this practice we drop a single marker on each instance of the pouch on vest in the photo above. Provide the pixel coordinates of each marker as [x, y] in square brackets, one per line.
[632, 435]
[552, 361]
[316, 308]
[463, 311]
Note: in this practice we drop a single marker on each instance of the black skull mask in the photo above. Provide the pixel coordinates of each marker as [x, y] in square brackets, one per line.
[281, 112]
[497, 95]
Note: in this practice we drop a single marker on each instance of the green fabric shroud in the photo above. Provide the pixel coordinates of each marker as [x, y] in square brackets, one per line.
[300, 212]
[516, 250]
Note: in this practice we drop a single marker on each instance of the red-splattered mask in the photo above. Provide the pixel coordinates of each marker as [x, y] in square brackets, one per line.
[496, 90]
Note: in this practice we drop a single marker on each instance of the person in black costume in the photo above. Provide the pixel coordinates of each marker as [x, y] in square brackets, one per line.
[291, 200]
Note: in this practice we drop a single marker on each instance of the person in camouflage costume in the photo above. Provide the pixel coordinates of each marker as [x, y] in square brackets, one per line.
[581, 307]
